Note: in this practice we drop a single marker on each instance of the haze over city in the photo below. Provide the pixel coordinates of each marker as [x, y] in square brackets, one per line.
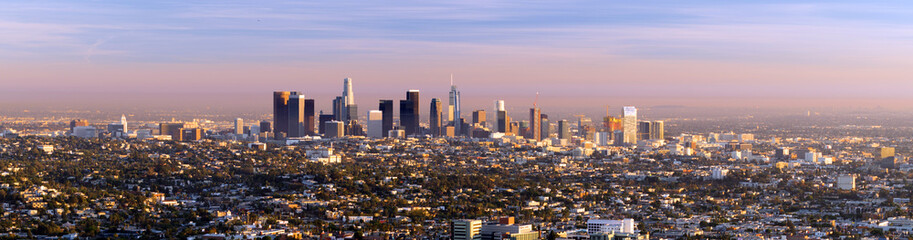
[587, 54]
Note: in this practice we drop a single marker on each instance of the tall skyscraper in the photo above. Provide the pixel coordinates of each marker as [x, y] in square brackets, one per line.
[478, 117]
[334, 129]
[435, 117]
[265, 126]
[564, 129]
[544, 126]
[339, 108]
[643, 129]
[375, 124]
[347, 92]
[386, 106]
[295, 116]
[322, 120]
[499, 106]
[309, 123]
[239, 126]
[535, 124]
[280, 112]
[503, 122]
[629, 122]
[453, 108]
[409, 116]
[657, 131]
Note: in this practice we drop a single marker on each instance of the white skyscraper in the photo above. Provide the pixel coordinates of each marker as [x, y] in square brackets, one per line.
[453, 107]
[123, 121]
[499, 105]
[347, 92]
[375, 124]
[239, 126]
[629, 124]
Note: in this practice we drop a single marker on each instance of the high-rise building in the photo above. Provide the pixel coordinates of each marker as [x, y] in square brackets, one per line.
[347, 92]
[657, 130]
[535, 124]
[239, 126]
[386, 106]
[339, 109]
[499, 106]
[322, 120]
[564, 129]
[503, 122]
[173, 129]
[295, 116]
[335, 129]
[544, 126]
[375, 124]
[265, 126]
[280, 112]
[478, 117]
[453, 108]
[466, 229]
[435, 117]
[629, 121]
[643, 129]
[123, 121]
[309, 124]
[409, 116]
[189, 134]
[255, 132]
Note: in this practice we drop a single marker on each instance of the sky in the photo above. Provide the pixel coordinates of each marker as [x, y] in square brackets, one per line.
[575, 54]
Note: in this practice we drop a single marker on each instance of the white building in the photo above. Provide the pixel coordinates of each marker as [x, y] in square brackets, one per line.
[375, 124]
[846, 182]
[629, 125]
[466, 229]
[718, 173]
[610, 226]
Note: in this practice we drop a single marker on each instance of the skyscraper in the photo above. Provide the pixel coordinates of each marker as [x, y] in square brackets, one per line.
[239, 126]
[453, 108]
[499, 105]
[435, 117]
[629, 125]
[295, 116]
[544, 126]
[375, 124]
[657, 130]
[564, 129]
[409, 113]
[643, 129]
[386, 106]
[339, 108]
[478, 117]
[535, 124]
[280, 112]
[123, 121]
[265, 126]
[503, 122]
[322, 120]
[347, 92]
[309, 124]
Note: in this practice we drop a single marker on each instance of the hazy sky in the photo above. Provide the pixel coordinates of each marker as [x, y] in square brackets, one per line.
[758, 53]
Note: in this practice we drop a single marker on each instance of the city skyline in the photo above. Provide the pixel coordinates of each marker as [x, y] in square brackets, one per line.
[775, 54]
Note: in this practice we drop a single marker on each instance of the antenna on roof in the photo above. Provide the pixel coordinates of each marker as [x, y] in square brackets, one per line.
[536, 102]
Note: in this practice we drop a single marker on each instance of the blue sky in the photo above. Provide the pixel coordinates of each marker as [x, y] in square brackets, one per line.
[623, 49]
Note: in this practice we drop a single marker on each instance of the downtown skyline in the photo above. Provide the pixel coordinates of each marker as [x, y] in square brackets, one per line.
[775, 54]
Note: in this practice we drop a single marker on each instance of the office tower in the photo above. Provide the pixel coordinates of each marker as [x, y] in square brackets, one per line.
[309, 118]
[629, 124]
[610, 124]
[280, 112]
[884, 152]
[535, 124]
[78, 123]
[564, 129]
[453, 108]
[173, 129]
[603, 138]
[409, 116]
[435, 117]
[524, 129]
[265, 126]
[386, 106]
[375, 124]
[643, 129]
[323, 119]
[123, 121]
[295, 116]
[190, 134]
[339, 109]
[335, 129]
[499, 106]
[544, 126]
[619, 137]
[255, 132]
[466, 229]
[347, 92]
[239, 126]
[503, 122]
[657, 130]
[478, 117]
[116, 129]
